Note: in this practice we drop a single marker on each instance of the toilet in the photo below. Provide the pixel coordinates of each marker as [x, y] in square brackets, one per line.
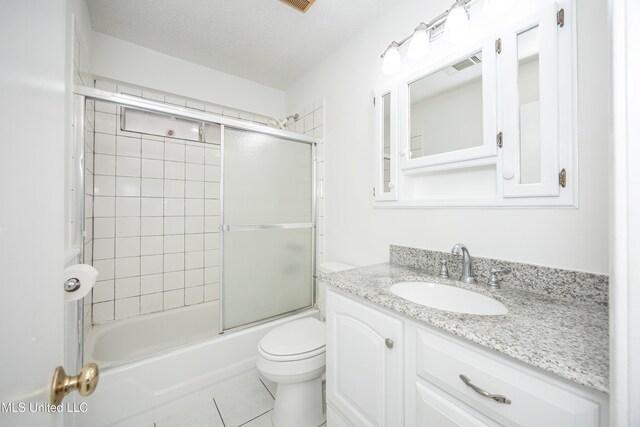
[293, 356]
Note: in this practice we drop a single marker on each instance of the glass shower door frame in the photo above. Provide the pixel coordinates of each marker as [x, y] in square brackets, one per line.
[227, 228]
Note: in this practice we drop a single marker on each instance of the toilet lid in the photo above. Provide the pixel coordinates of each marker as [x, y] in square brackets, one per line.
[296, 337]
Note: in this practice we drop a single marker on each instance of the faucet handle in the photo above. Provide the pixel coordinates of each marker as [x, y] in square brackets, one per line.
[444, 272]
[494, 281]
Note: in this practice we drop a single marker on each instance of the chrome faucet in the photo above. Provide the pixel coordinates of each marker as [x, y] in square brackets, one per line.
[468, 276]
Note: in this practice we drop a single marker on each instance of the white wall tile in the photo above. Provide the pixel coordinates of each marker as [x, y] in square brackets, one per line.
[173, 262]
[173, 170]
[193, 295]
[194, 260]
[173, 280]
[103, 291]
[174, 244]
[128, 146]
[211, 292]
[174, 152]
[104, 206]
[105, 144]
[127, 186]
[151, 206]
[152, 168]
[194, 277]
[151, 283]
[194, 172]
[104, 185]
[211, 275]
[211, 190]
[151, 245]
[103, 312]
[105, 268]
[212, 173]
[127, 247]
[105, 123]
[194, 242]
[211, 156]
[128, 227]
[104, 164]
[151, 226]
[212, 207]
[173, 207]
[127, 287]
[211, 224]
[127, 267]
[211, 258]
[194, 189]
[152, 187]
[150, 303]
[103, 227]
[103, 248]
[194, 224]
[174, 188]
[152, 149]
[173, 299]
[212, 240]
[127, 206]
[174, 225]
[127, 166]
[152, 264]
[193, 207]
[194, 153]
[127, 307]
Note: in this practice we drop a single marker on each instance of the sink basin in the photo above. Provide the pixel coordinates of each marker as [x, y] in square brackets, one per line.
[449, 298]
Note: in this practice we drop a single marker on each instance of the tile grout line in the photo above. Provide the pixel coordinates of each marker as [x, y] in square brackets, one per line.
[256, 417]
[265, 386]
[219, 413]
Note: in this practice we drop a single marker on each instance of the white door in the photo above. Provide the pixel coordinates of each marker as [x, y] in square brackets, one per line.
[364, 363]
[33, 122]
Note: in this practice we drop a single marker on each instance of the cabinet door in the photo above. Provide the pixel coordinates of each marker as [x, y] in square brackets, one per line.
[364, 370]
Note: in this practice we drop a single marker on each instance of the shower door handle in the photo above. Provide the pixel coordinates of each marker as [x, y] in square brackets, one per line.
[62, 384]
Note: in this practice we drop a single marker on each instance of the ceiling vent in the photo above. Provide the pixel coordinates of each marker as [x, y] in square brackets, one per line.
[466, 63]
[301, 5]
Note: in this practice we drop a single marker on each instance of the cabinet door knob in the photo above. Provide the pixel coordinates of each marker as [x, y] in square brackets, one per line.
[388, 342]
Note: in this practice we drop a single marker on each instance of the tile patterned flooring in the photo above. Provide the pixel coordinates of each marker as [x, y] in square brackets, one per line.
[246, 401]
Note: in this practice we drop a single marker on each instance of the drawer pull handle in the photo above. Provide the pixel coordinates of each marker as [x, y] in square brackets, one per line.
[497, 397]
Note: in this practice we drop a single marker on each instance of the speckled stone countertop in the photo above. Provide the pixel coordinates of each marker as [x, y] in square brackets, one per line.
[568, 337]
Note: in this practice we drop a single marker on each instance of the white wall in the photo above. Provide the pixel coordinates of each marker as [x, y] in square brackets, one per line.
[359, 234]
[127, 62]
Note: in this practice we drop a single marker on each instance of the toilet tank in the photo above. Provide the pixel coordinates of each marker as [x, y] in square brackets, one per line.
[326, 268]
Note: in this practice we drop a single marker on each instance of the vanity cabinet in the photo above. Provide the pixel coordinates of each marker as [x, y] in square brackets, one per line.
[422, 375]
[365, 373]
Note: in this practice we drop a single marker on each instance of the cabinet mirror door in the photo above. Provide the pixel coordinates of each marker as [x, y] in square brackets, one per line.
[530, 99]
[385, 145]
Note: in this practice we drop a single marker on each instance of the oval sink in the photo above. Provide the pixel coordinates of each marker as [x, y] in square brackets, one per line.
[449, 298]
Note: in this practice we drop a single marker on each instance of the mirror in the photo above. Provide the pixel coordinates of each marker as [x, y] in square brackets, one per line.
[446, 109]
[386, 141]
[529, 105]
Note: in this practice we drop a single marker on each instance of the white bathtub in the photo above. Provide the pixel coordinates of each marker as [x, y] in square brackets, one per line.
[127, 391]
[129, 339]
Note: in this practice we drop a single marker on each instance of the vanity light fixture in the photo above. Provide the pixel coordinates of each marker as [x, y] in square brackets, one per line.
[391, 59]
[419, 46]
[455, 21]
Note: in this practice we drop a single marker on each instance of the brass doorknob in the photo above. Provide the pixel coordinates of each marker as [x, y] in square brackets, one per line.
[63, 384]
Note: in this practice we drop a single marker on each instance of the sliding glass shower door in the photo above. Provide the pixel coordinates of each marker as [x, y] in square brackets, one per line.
[267, 227]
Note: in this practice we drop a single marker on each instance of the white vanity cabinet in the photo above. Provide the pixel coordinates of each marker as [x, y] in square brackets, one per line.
[367, 382]
[365, 359]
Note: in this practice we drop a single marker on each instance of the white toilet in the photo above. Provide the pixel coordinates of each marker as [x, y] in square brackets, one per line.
[293, 356]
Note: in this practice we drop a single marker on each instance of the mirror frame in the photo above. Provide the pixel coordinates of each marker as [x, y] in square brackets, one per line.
[458, 158]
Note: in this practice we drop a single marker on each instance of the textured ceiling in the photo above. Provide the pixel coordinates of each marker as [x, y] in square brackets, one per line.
[261, 40]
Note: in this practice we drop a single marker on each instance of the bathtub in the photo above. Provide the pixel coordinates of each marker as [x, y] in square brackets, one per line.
[126, 391]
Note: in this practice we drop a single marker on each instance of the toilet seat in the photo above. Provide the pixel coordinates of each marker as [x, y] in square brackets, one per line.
[296, 340]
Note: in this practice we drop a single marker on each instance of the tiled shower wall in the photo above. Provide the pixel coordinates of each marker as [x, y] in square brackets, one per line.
[156, 220]
[311, 123]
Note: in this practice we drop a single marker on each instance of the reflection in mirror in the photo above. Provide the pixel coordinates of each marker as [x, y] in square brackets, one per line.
[529, 102]
[386, 140]
[446, 109]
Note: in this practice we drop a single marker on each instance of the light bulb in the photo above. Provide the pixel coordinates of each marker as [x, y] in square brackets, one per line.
[419, 45]
[391, 60]
[457, 22]
[496, 8]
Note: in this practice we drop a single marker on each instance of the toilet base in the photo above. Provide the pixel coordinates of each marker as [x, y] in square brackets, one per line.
[299, 405]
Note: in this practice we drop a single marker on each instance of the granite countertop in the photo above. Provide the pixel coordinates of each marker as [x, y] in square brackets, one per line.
[568, 337]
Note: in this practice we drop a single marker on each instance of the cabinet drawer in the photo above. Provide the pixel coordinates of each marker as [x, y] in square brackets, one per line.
[534, 400]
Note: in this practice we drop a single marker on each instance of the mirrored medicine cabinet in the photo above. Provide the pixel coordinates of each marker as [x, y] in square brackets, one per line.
[490, 124]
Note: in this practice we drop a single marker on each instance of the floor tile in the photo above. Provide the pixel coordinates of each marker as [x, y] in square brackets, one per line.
[242, 401]
[263, 420]
[270, 385]
[204, 414]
